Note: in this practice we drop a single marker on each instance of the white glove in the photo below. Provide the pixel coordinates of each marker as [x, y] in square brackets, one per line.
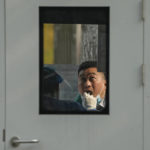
[89, 101]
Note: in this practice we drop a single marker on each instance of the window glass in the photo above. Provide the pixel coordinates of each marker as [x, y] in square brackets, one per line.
[68, 38]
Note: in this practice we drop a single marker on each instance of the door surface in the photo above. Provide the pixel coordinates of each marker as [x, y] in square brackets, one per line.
[122, 129]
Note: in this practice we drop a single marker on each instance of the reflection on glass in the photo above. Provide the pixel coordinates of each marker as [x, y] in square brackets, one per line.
[65, 47]
[70, 43]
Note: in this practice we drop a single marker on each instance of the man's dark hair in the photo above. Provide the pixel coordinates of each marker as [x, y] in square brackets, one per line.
[86, 65]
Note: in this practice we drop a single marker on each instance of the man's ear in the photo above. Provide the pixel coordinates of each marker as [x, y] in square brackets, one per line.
[104, 84]
[104, 81]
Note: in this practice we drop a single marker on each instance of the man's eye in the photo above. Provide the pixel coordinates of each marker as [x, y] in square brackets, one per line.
[92, 78]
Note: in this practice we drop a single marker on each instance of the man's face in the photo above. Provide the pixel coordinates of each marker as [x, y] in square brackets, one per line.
[91, 81]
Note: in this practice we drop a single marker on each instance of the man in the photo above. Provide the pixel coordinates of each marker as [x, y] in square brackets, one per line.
[91, 86]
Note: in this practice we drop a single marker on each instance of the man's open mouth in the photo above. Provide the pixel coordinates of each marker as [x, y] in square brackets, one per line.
[89, 92]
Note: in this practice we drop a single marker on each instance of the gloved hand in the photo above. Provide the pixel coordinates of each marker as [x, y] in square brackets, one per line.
[89, 102]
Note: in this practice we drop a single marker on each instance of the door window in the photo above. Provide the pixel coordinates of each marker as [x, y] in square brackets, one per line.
[73, 41]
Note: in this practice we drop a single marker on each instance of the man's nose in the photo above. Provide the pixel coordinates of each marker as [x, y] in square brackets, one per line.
[87, 84]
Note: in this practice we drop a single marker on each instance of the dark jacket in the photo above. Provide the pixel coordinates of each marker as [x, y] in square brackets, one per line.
[50, 105]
